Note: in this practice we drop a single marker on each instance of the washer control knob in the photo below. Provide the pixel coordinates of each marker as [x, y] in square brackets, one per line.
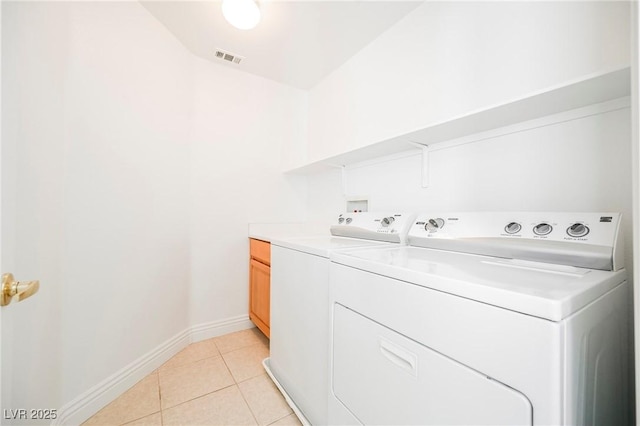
[433, 225]
[387, 221]
[340, 220]
[577, 230]
[542, 229]
[349, 219]
[512, 228]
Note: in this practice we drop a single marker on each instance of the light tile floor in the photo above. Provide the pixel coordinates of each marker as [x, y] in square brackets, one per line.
[219, 381]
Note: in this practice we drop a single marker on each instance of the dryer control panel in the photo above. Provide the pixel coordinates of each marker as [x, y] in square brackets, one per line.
[382, 226]
[588, 240]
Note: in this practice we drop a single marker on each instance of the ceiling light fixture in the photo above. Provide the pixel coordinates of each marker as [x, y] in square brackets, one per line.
[242, 14]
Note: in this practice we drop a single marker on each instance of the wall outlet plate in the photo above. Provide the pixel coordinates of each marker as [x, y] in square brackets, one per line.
[357, 206]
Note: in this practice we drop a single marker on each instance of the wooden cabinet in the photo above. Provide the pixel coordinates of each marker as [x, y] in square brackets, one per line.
[260, 284]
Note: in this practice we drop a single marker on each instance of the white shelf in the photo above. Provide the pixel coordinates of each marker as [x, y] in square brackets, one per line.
[576, 94]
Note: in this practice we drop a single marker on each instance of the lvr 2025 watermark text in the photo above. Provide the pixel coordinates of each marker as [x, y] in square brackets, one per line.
[29, 414]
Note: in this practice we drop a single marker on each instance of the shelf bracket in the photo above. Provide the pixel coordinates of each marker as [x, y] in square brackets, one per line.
[425, 162]
[343, 172]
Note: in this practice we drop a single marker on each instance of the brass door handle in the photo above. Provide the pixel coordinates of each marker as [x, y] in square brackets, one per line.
[21, 289]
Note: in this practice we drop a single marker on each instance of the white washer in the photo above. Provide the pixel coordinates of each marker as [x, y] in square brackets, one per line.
[299, 347]
[532, 328]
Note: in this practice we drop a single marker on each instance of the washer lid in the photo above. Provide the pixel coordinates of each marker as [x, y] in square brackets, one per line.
[543, 290]
[323, 245]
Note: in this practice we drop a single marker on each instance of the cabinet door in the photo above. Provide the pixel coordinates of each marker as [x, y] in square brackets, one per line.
[259, 297]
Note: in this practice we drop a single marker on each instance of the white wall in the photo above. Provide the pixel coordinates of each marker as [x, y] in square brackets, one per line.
[95, 184]
[126, 252]
[246, 129]
[448, 58]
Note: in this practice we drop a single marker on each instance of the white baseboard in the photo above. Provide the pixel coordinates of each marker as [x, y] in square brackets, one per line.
[91, 401]
[208, 330]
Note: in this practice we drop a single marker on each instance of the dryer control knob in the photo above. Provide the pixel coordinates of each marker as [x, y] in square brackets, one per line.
[433, 225]
[387, 221]
[542, 229]
[340, 220]
[577, 230]
[512, 228]
[349, 220]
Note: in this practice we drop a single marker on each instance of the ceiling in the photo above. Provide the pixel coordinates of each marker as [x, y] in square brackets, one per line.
[297, 43]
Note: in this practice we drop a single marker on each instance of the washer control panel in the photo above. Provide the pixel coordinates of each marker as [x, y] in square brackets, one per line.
[383, 226]
[574, 238]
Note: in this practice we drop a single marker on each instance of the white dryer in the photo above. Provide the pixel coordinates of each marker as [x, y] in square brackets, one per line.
[299, 347]
[484, 318]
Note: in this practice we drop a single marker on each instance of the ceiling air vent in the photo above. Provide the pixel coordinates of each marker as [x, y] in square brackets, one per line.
[228, 56]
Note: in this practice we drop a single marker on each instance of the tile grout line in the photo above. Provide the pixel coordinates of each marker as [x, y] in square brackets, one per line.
[240, 390]
[160, 399]
[198, 397]
[245, 380]
[184, 365]
[248, 406]
[189, 363]
[146, 415]
[286, 415]
[138, 418]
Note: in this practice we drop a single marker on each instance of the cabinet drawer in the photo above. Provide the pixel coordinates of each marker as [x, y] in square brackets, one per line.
[260, 250]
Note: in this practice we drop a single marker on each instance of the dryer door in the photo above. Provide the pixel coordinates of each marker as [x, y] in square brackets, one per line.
[382, 377]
